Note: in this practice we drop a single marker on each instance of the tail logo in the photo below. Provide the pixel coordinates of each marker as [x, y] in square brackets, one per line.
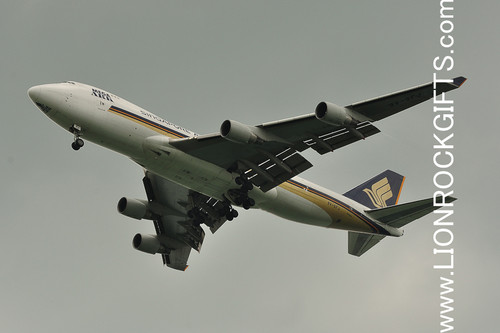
[379, 193]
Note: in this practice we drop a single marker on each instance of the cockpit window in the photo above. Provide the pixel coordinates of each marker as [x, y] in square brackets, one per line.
[70, 82]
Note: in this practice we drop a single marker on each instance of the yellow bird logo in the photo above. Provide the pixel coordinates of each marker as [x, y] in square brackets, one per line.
[379, 193]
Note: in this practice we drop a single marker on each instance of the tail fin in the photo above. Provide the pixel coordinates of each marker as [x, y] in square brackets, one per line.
[381, 191]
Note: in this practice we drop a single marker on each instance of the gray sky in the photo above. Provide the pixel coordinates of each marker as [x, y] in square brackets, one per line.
[66, 254]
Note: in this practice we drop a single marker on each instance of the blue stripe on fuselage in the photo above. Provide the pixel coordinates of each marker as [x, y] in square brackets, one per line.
[145, 121]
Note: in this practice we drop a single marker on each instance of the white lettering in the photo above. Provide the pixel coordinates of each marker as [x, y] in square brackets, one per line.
[447, 175]
[440, 165]
[445, 305]
[446, 214]
[443, 117]
[443, 159]
[446, 232]
[442, 144]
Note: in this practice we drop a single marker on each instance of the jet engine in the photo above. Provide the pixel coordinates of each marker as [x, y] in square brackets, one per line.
[334, 115]
[137, 209]
[237, 132]
[148, 243]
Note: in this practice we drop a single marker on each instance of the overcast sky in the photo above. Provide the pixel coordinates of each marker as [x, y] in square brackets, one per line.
[66, 254]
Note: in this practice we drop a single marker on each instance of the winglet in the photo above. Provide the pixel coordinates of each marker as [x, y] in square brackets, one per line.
[458, 81]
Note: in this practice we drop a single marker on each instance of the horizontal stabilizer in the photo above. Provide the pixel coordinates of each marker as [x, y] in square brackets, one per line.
[395, 216]
[359, 243]
[401, 215]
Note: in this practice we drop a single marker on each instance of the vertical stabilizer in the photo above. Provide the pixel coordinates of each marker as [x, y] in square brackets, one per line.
[381, 191]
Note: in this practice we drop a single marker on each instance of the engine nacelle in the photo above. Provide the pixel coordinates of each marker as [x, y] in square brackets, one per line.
[237, 132]
[137, 209]
[334, 115]
[148, 243]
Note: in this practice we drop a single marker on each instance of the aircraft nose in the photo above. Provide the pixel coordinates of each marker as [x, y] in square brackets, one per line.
[34, 93]
[49, 97]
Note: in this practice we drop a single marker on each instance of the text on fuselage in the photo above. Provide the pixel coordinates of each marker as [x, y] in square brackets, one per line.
[101, 94]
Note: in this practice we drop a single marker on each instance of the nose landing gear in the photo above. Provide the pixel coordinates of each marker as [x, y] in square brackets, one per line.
[77, 142]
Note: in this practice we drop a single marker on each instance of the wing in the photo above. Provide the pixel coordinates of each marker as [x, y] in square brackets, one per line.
[270, 163]
[269, 154]
[179, 212]
[385, 106]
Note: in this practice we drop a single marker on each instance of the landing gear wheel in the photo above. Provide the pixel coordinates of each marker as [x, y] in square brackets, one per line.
[245, 184]
[232, 214]
[77, 144]
[248, 202]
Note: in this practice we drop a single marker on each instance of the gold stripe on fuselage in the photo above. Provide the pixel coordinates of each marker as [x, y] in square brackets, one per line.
[145, 122]
[342, 215]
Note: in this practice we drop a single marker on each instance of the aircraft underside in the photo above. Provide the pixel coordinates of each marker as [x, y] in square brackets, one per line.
[193, 180]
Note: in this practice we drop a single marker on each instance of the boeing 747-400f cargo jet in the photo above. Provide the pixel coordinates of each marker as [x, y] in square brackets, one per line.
[193, 179]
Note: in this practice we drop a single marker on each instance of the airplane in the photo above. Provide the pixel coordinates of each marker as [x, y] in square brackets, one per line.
[192, 179]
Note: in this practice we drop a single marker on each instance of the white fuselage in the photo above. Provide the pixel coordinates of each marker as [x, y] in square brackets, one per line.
[112, 122]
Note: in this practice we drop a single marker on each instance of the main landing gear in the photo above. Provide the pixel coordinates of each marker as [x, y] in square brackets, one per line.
[229, 212]
[240, 196]
[78, 142]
